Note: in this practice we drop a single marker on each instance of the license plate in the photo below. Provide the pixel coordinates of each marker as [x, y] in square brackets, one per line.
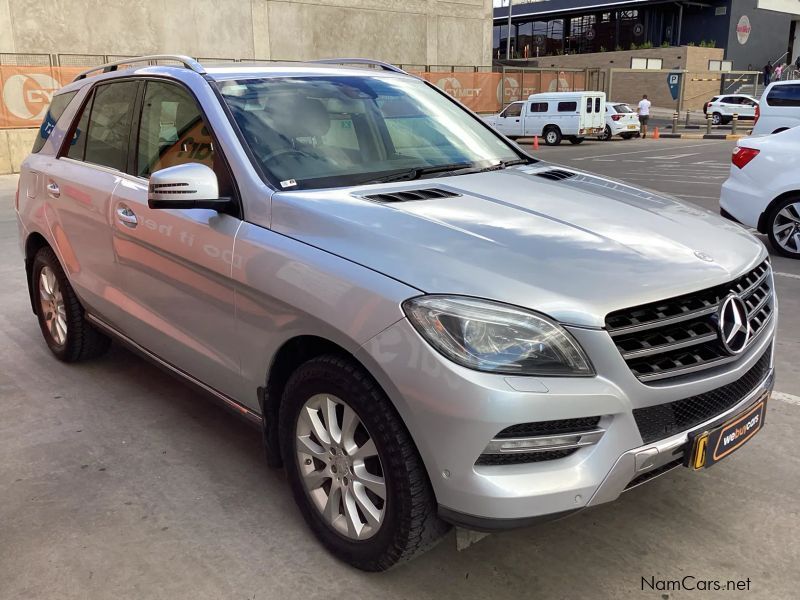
[631, 126]
[711, 446]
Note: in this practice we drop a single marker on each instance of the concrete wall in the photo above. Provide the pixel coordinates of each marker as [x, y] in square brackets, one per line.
[421, 32]
[15, 145]
[674, 57]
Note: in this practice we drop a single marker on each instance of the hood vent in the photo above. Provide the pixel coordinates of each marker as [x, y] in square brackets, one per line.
[410, 195]
[555, 174]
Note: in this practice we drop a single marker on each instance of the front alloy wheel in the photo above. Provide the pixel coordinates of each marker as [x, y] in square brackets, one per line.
[355, 472]
[340, 467]
[784, 233]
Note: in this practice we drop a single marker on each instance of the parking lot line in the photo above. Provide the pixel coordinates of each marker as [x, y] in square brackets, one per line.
[650, 150]
[789, 398]
[792, 275]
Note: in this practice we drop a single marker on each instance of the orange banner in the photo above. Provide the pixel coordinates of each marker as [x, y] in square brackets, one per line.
[27, 91]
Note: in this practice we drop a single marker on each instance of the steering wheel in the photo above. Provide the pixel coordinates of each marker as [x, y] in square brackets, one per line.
[282, 151]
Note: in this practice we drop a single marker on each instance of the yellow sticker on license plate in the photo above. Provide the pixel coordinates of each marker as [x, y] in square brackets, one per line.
[631, 126]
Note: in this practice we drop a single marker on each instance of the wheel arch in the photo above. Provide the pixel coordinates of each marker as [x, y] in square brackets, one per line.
[763, 225]
[291, 354]
[34, 242]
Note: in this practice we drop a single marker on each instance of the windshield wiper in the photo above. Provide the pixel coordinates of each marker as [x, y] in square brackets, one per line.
[418, 172]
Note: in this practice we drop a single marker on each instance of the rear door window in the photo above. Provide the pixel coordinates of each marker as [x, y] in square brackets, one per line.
[104, 129]
[589, 104]
[567, 106]
[54, 112]
[537, 107]
[597, 105]
[784, 95]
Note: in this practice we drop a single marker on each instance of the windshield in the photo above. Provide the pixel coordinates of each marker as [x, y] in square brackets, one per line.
[332, 131]
[623, 108]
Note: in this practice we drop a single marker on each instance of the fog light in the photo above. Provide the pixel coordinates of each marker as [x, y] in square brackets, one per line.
[544, 442]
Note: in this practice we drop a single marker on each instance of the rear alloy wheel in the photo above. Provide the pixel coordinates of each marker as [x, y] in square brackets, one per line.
[354, 470]
[61, 317]
[552, 136]
[784, 228]
[716, 118]
[606, 135]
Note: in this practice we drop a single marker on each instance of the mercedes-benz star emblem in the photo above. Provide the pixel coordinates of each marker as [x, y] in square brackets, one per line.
[734, 328]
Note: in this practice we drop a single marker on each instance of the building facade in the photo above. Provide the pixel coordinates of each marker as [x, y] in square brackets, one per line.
[423, 32]
[750, 32]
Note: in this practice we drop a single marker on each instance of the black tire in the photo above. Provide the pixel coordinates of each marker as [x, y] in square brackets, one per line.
[552, 135]
[716, 118]
[576, 140]
[82, 340]
[726, 120]
[606, 135]
[627, 136]
[771, 222]
[410, 522]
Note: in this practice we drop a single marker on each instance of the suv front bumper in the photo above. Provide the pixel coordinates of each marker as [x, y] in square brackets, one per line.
[453, 413]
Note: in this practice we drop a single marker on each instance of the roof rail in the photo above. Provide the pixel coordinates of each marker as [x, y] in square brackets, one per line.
[187, 62]
[360, 61]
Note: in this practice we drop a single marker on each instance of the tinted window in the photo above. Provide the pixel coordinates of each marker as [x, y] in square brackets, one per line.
[567, 106]
[588, 105]
[513, 110]
[54, 112]
[623, 108]
[108, 128]
[537, 107]
[77, 145]
[597, 105]
[784, 95]
[731, 100]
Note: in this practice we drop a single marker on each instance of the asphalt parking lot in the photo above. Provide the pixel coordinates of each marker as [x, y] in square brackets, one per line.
[117, 481]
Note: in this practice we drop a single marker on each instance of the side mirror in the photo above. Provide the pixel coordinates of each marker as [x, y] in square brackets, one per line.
[190, 185]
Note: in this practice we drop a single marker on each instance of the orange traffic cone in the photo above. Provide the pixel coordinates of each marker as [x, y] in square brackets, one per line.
[655, 134]
[536, 142]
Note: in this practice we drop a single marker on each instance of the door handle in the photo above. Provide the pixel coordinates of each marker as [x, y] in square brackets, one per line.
[127, 216]
[517, 120]
[53, 190]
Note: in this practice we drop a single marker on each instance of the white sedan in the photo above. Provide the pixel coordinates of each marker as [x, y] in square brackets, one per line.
[763, 189]
[621, 120]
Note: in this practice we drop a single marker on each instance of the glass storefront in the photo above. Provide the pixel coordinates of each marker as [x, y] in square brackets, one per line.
[596, 31]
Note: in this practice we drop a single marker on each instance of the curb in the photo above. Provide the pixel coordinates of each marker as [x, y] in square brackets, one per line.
[701, 136]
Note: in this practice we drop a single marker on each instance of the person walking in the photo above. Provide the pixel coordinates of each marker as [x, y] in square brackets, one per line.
[767, 73]
[644, 114]
[778, 72]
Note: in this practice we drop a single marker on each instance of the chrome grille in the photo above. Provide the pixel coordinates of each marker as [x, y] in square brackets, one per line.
[679, 336]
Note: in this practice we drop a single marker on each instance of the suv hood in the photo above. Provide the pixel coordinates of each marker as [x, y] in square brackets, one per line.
[575, 249]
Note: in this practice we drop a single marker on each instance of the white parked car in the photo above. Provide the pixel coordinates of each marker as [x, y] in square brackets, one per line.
[779, 108]
[621, 120]
[763, 190]
[553, 116]
[723, 107]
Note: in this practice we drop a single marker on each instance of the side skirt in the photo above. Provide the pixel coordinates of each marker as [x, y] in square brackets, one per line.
[226, 401]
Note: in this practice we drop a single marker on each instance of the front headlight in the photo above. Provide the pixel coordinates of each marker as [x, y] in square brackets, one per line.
[494, 337]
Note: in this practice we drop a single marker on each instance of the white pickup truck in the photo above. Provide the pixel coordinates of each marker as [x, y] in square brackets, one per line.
[553, 116]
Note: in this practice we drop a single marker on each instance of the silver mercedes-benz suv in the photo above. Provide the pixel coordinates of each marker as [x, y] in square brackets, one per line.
[430, 326]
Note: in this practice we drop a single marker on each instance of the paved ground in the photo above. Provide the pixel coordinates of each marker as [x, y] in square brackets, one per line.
[116, 481]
